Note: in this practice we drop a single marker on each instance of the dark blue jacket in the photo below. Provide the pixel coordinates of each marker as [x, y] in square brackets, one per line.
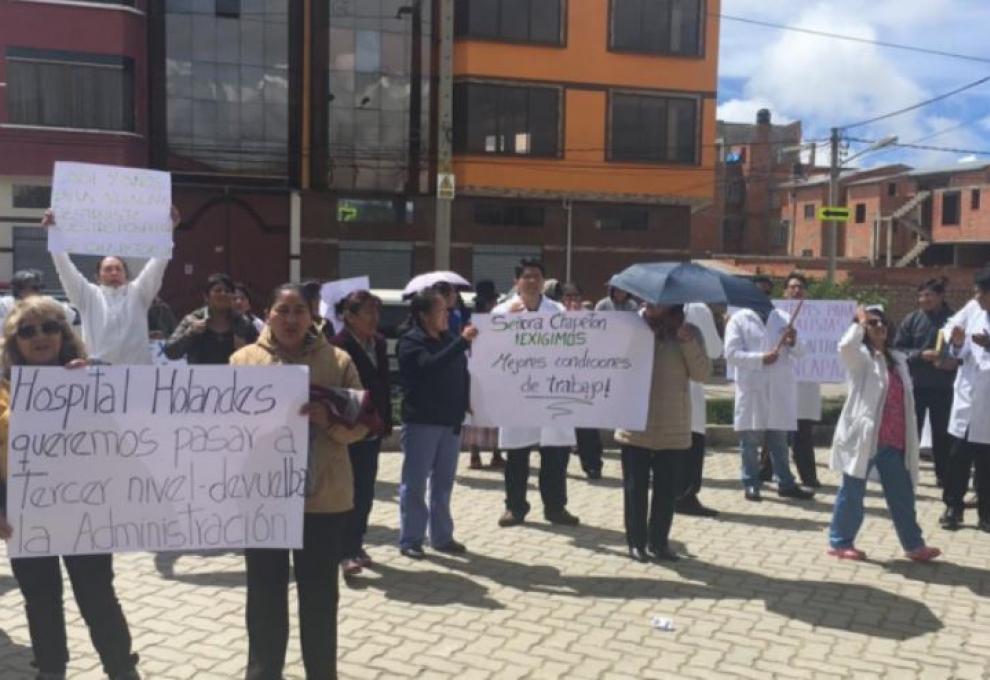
[434, 377]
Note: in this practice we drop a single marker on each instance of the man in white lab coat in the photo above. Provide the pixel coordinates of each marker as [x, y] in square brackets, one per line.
[809, 404]
[700, 316]
[761, 350]
[970, 344]
[554, 444]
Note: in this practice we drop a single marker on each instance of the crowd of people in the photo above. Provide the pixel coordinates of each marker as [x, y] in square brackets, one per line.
[935, 364]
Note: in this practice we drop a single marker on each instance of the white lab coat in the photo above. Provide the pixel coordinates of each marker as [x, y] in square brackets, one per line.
[522, 437]
[809, 396]
[856, 433]
[972, 384]
[700, 316]
[114, 320]
[766, 396]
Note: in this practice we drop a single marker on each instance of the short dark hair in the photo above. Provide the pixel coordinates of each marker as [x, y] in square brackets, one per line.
[354, 301]
[310, 290]
[123, 262]
[530, 263]
[26, 279]
[420, 304]
[936, 286]
[799, 276]
[296, 288]
[982, 280]
[218, 279]
[242, 288]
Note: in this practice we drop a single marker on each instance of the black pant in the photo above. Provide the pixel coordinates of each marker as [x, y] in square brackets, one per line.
[364, 463]
[637, 466]
[693, 467]
[964, 455]
[40, 581]
[938, 404]
[803, 452]
[589, 448]
[553, 479]
[268, 601]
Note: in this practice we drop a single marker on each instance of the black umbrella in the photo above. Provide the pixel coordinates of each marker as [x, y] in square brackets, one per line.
[676, 283]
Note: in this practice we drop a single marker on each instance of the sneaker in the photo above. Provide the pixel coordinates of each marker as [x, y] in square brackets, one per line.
[510, 519]
[452, 548]
[690, 505]
[923, 554]
[350, 567]
[638, 554]
[413, 552]
[363, 558]
[849, 553]
[664, 554]
[797, 493]
[561, 516]
[753, 494]
[950, 520]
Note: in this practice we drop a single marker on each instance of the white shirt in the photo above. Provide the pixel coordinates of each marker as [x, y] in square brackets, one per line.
[700, 316]
[766, 396]
[972, 383]
[523, 437]
[114, 320]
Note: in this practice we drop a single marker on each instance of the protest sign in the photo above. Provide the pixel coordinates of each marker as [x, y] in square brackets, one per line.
[561, 369]
[333, 292]
[101, 209]
[820, 326]
[113, 459]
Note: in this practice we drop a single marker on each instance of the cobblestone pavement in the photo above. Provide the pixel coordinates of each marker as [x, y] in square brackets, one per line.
[757, 599]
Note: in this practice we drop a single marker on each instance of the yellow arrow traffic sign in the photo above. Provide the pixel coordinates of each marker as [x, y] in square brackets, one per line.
[833, 213]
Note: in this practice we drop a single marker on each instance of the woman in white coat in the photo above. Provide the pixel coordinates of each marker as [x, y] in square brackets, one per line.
[876, 435]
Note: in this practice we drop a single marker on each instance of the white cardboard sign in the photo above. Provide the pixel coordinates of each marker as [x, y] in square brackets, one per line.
[113, 459]
[820, 326]
[561, 369]
[111, 210]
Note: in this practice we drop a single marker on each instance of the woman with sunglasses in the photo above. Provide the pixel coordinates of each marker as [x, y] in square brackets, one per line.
[876, 437]
[36, 333]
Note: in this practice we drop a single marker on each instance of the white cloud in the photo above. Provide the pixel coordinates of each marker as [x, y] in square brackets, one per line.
[744, 111]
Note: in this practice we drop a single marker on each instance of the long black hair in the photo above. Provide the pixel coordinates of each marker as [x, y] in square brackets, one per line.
[885, 350]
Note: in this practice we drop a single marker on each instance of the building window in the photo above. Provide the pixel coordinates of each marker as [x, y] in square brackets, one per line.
[892, 189]
[536, 21]
[782, 233]
[809, 211]
[52, 88]
[374, 211]
[506, 119]
[647, 128]
[31, 196]
[622, 218]
[860, 213]
[950, 208]
[509, 215]
[657, 26]
[974, 199]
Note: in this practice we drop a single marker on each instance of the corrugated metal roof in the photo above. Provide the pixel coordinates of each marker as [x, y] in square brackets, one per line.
[972, 166]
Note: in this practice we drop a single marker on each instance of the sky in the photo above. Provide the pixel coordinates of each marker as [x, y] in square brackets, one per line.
[825, 82]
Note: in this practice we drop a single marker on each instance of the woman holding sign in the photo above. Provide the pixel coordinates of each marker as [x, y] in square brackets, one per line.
[289, 339]
[433, 370]
[36, 333]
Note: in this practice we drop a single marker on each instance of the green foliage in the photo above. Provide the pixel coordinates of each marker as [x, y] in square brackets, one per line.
[720, 411]
[820, 289]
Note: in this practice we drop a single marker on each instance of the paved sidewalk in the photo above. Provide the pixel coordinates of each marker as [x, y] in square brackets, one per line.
[758, 598]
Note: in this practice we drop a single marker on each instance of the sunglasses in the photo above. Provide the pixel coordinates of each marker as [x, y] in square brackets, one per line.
[875, 323]
[46, 328]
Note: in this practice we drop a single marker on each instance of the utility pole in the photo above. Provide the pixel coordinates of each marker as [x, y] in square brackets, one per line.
[833, 197]
[445, 130]
[415, 99]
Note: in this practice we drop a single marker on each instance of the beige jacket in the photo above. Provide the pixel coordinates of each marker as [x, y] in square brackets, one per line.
[675, 365]
[330, 477]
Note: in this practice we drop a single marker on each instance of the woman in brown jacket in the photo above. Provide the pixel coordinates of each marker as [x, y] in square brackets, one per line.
[678, 358]
[289, 339]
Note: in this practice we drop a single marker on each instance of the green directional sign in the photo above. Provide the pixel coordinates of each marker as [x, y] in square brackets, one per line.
[346, 213]
[833, 213]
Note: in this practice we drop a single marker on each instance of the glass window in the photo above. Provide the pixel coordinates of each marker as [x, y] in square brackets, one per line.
[68, 89]
[860, 213]
[31, 196]
[974, 199]
[374, 211]
[537, 21]
[648, 128]
[506, 119]
[809, 211]
[509, 215]
[657, 26]
[950, 208]
[622, 218]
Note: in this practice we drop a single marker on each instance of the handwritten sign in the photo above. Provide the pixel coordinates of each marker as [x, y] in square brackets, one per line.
[564, 369]
[142, 458]
[820, 326]
[105, 209]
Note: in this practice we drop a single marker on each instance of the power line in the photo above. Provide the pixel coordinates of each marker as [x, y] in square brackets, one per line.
[851, 38]
[919, 105]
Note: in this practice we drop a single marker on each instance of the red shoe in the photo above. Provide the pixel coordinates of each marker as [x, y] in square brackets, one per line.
[848, 554]
[923, 554]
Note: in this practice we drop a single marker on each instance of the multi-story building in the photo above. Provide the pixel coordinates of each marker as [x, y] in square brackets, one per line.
[301, 134]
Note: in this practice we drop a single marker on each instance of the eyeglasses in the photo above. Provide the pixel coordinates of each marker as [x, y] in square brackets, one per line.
[46, 328]
[875, 323]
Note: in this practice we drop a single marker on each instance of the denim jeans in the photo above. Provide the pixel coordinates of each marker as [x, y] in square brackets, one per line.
[364, 464]
[749, 444]
[895, 479]
[430, 454]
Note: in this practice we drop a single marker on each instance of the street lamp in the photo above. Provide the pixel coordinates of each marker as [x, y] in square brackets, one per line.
[833, 190]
